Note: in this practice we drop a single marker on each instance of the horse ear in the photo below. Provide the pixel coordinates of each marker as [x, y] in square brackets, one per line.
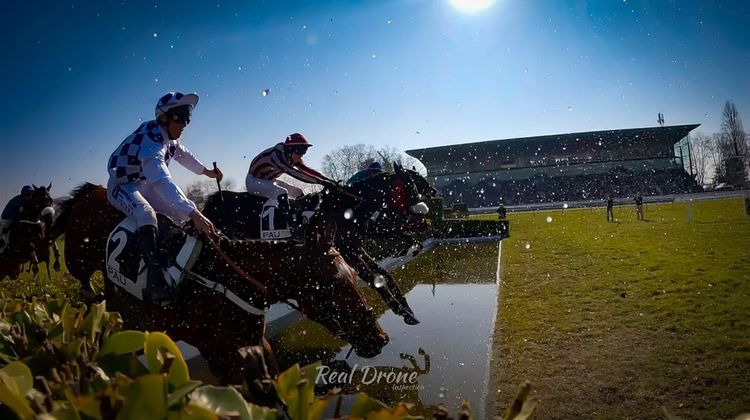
[49, 187]
[34, 186]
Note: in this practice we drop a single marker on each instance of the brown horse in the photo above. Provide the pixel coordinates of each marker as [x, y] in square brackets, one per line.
[388, 210]
[28, 234]
[313, 274]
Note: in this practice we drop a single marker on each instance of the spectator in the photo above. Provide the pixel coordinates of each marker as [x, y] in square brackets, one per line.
[610, 206]
[639, 207]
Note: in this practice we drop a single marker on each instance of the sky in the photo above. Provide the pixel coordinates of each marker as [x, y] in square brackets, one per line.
[79, 77]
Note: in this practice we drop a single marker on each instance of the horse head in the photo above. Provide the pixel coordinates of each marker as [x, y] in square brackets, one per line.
[394, 201]
[326, 291]
[38, 202]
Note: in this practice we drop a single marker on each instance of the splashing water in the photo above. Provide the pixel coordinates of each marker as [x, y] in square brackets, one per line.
[379, 281]
[348, 213]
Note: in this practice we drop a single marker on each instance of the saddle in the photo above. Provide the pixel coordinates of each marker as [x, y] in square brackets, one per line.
[276, 224]
[125, 267]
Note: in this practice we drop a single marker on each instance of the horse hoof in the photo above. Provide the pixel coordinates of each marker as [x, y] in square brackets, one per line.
[410, 319]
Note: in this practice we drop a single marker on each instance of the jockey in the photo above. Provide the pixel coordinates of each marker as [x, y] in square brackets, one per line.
[11, 210]
[285, 158]
[370, 171]
[15, 204]
[140, 184]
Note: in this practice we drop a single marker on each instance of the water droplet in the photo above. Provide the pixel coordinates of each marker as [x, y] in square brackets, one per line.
[86, 240]
[525, 70]
[239, 68]
[565, 205]
[348, 213]
[389, 21]
[373, 56]
[379, 281]
[549, 219]
[570, 108]
[528, 245]
[265, 92]
[156, 35]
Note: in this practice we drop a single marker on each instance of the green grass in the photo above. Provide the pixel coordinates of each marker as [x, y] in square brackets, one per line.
[61, 285]
[616, 320]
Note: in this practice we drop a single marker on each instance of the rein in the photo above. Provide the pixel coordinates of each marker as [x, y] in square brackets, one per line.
[235, 267]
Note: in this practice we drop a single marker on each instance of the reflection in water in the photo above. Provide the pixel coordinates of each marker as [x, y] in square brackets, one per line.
[446, 353]
[456, 337]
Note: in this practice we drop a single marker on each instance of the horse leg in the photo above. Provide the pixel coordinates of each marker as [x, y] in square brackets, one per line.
[257, 375]
[368, 269]
[56, 252]
[390, 284]
[270, 356]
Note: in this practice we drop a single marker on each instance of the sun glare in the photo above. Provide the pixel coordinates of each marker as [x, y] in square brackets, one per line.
[472, 6]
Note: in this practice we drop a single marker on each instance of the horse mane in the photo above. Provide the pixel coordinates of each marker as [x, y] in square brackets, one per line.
[259, 246]
[65, 207]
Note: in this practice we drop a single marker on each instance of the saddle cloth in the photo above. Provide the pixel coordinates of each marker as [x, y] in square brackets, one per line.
[272, 228]
[125, 267]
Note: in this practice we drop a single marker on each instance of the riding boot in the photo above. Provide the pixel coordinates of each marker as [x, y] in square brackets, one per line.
[284, 217]
[157, 290]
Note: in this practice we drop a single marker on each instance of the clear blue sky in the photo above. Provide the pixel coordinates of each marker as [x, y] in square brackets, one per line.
[78, 77]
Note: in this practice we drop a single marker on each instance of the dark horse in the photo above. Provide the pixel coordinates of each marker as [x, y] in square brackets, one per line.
[313, 274]
[380, 207]
[28, 238]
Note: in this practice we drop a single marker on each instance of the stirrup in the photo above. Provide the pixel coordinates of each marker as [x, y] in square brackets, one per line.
[157, 290]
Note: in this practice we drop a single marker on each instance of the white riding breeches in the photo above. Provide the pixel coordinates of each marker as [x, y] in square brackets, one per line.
[271, 188]
[141, 201]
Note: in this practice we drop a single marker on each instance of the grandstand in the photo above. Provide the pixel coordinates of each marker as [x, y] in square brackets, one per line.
[562, 167]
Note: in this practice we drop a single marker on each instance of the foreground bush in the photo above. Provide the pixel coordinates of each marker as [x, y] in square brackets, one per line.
[62, 362]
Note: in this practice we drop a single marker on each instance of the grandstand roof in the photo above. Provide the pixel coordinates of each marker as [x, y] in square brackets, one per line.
[559, 143]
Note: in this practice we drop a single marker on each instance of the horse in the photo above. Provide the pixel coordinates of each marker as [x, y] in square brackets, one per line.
[28, 238]
[312, 273]
[380, 207]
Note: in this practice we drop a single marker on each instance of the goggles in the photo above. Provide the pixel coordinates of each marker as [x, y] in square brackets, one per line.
[180, 114]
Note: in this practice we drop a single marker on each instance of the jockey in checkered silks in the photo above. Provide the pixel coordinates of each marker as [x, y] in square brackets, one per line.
[283, 158]
[140, 184]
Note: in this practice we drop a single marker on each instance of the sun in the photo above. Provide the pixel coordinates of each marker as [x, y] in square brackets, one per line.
[472, 6]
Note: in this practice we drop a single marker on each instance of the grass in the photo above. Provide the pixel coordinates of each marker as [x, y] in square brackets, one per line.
[617, 320]
[61, 285]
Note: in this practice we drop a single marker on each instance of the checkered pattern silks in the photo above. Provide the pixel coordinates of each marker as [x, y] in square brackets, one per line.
[166, 101]
[125, 162]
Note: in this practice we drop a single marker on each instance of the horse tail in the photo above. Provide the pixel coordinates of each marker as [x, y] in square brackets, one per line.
[62, 215]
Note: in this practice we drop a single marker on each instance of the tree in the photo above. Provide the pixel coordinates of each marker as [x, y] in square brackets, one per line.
[198, 191]
[720, 149]
[700, 148]
[731, 129]
[733, 135]
[344, 162]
